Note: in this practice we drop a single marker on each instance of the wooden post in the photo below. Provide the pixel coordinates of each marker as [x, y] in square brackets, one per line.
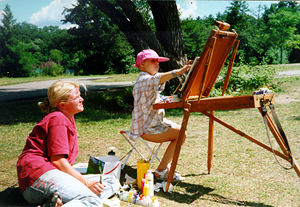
[210, 142]
[179, 143]
[236, 44]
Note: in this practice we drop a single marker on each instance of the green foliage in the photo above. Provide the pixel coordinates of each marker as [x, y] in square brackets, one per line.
[96, 46]
[24, 58]
[236, 15]
[245, 78]
[275, 56]
[281, 25]
[102, 46]
[7, 57]
[56, 55]
[195, 34]
[26, 46]
[51, 68]
[277, 31]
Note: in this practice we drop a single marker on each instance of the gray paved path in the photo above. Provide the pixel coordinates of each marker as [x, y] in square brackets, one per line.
[288, 73]
[39, 89]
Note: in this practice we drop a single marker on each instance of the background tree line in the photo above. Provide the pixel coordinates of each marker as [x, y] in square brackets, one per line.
[110, 33]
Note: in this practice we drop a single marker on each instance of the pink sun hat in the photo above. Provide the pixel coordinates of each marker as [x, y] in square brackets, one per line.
[148, 54]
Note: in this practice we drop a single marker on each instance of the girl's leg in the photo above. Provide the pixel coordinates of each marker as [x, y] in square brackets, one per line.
[171, 135]
[72, 191]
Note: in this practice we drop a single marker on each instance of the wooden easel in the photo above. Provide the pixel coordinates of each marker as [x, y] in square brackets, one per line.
[198, 85]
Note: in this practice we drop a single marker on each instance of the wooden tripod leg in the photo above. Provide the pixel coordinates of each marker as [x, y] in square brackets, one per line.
[281, 143]
[210, 142]
[296, 167]
[178, 145]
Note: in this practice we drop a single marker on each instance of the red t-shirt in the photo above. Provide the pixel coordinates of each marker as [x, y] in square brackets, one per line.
[55, 134]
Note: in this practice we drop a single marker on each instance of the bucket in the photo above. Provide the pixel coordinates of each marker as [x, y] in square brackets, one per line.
[141, 167]
[106, 165]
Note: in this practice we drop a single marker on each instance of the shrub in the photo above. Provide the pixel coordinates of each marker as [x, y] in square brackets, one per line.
[246, 78]
[51, 68]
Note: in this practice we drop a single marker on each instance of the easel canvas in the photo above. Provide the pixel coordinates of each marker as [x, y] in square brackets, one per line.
[198, 85]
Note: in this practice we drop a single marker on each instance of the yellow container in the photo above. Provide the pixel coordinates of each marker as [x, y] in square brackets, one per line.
[146, 189]
[141, 168]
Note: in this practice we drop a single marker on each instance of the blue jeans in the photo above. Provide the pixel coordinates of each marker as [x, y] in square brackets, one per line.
[72, 191]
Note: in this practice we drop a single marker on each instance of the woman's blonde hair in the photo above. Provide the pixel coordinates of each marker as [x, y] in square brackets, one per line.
[58, 92]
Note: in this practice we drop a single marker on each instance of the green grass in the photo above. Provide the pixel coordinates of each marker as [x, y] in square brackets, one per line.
[105, 78]
[11, 81]
[286, 67]
[243, 174]
[119, 78]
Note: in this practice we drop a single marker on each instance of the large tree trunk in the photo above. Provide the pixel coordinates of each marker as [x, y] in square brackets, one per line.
[169, 32]
[167, 41]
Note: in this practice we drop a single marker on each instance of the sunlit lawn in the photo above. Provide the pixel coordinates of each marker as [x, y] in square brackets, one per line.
[104, 78]
[243, 174]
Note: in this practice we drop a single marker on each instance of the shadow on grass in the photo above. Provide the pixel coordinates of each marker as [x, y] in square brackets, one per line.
[25, 111]
[223, 200]
[102, 105]
[12, 197]
[297, 118]
[193, 192]
[98, 106]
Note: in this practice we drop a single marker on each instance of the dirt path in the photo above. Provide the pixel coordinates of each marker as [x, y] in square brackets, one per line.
[288, 97]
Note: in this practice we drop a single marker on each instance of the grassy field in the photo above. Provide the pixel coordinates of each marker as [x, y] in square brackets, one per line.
[106, 78]
[243, 174]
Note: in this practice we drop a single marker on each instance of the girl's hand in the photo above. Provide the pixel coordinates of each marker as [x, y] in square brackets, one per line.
[185, 68]
[95, 187]
[169, 75]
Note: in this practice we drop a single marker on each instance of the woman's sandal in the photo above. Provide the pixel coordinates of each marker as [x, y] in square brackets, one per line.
[176, 177]
[52, 200]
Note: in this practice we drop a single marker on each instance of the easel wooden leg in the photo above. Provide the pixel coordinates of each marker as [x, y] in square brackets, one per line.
[178, 145]
[275, 133]
[273, 129]
[296, 167]
[210, 142]
[281, 142]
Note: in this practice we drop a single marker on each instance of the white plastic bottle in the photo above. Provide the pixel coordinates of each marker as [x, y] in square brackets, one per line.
[111, 152]
[131, 198]
[150, 180]
[154, 202]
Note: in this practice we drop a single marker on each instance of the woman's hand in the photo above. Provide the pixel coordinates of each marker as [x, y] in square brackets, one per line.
[61, 163]
[95, 187]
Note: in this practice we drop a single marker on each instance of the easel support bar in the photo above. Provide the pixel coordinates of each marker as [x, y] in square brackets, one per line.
[245, 135]
[236, 44]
